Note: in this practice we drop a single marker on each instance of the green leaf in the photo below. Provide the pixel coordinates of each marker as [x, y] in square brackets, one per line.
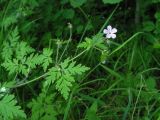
[99, 41]
[11, 66]
[52, 76]
[79, 29]
[9, 20]
[7, 84]
[68, 13]
[157, 31]
[8, 108]
[63, 76]
[14, 37]
[96, 41]
[7, 51]
[156, 45]
[23, 49]
[64, 1]
[63, 85]
[151, 83]
[77, 3]
[8, 47]
[87, 44]
[104, 56]
[111, 1]
[91, 112]
[24, 59]
[42, 107]
[46, 58]
[33, 60]
[76, 69]
[148, 26]
[157, 15]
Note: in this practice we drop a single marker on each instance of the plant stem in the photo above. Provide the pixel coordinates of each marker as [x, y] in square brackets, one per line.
[138, 96]
[79, 55]
[110, 16]
[84, 32]
[57, 53]
[127, 41]
[33, 80]
[69, 40]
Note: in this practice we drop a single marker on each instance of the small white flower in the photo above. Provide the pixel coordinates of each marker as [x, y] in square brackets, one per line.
[110, 32]
[3, 89]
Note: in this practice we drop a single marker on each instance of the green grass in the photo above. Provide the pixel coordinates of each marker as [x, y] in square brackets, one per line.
[56, 63]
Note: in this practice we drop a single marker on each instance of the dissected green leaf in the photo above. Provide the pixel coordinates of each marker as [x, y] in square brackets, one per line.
[11, 66]
[87, 44]
[97, 41]
[9, 109]
[46, 58]
[10, 45]
[42, 107]
[52, 76]
[63, 76]
[22, 50]
[9, 20]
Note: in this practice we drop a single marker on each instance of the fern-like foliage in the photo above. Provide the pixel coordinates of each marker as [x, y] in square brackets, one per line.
[9, 109]
[11, 65]
[96, 41]
[22, 50]
[7, 51]
[10, 44]
[42, 108]
[64, 76]
[45, 58]
[19, 57]
[14, 37]
[9, 20]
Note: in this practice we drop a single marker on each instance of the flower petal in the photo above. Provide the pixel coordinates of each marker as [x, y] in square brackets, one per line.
[105, 31]
[113, 36]
[108, 36]
[109, 28]
[114, 30]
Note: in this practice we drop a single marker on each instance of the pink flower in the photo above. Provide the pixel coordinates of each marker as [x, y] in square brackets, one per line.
[109, 32]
